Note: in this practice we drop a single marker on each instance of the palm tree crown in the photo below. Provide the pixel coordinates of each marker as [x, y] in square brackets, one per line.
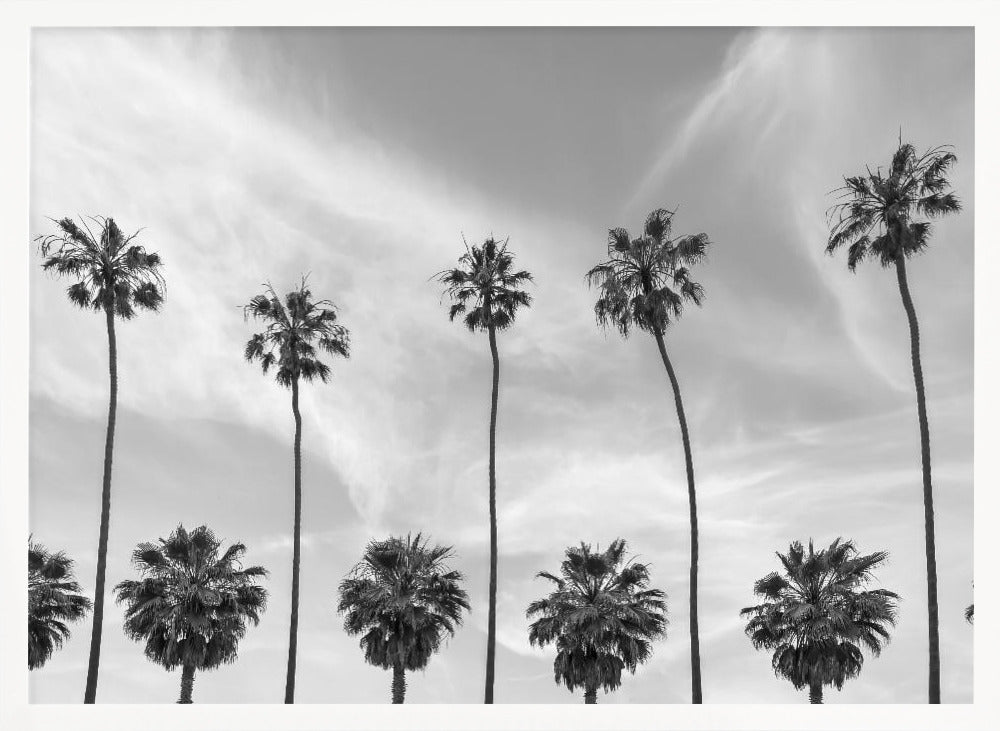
[193, 601]
[484, 289]
[112, 272]
[601, 617]
[296, 327]
[54, 599]
[817, 616]
[874, 217]
[403, 599]
[646, 280]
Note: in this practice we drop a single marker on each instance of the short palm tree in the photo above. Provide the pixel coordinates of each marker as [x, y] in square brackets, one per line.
[298, 328]
[876, 219]
[403, 599]
[486, 291]
[818, 615]
[192, 602]
[601, 617]
[54, 600]
[116, 276]
[644, 284]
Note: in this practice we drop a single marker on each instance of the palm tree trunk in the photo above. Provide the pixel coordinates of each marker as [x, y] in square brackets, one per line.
[187, 684]
[296, 548]
[693, 510]
[491, 624]
[934, 664]
[93, 666]
[816, 693]
[398, 683]
[590, 695]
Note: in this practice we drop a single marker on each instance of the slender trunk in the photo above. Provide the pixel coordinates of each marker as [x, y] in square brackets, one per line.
[93, 666]
[187, 684]
[934, 664]
[296, 548]
[491, 631]
[815, 692]
[590, 695]
[693, 510]
[398, 683]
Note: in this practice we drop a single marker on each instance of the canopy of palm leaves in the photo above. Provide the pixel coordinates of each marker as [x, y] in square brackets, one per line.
[970, 612]
[646, 280]
[54, 600]
[876, 212]
[297, 328]
[601, 617]
[403, 599]
[192, 601]
[484, 288]
[817, 616]
[111, 271]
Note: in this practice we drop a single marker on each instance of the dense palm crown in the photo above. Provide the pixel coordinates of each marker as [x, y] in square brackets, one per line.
[484, 288]
[646, 280]
[875, 216]
[817, 616]
[298, 327]
[192, 602]
[111, 271]
[601, 617]
[403, 599]
[54, 600]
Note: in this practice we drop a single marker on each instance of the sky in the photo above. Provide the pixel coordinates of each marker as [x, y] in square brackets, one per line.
[362, 157]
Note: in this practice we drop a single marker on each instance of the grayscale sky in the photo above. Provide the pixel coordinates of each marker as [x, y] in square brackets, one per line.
[361, 157]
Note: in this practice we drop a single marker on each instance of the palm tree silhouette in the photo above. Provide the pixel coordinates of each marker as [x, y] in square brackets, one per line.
[192, 602]
[818, 615]
[54, 600]
[875, 219]
[296, 330]
[601, 617]
[644, 283]
[486, 290]
[118, 277]
[402, 598]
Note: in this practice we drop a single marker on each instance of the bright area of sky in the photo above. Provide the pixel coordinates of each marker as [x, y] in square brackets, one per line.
[361, 157]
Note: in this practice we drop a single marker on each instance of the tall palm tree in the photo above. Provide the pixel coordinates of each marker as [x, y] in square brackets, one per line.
[601, 617]
[114, 275]
[297, 329]
[403, 599]
[876, 218]
[192, 602]
[486, 290]
[818, 615]
[645, 283]
[54, 600]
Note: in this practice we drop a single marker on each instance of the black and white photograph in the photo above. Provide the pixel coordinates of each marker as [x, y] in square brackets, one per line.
[499, 363]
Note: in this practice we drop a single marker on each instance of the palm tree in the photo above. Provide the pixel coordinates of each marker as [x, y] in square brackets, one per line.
[486, 291]
[601, 617]
[402, 598]
[875, 219]
[644, 283]
[818, 615]
[192, 602]
[118, 277]
[296, 329]
[970, 613]
[54, 600]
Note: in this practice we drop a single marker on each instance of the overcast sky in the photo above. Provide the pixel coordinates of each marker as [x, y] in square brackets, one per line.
[361, 157]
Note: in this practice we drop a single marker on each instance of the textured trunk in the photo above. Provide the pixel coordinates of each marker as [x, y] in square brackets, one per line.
[293, 629]
[398, 683]
[187, 684]
[816, 693]
[934, 658]
[693, 510]
[94, 663]
[491, 631]
[590, 695]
